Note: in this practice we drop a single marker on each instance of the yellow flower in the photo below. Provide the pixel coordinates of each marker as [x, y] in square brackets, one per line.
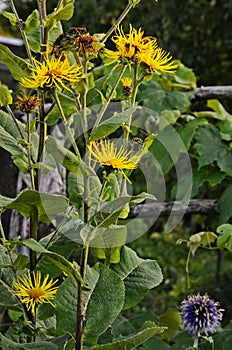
[126, 83]
[52, 73]
[159, 61]
[106, 153]
[33, 292]
[27, 104]
[129, 45]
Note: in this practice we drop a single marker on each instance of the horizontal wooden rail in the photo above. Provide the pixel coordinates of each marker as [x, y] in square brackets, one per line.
[209, 92]
[194, 206]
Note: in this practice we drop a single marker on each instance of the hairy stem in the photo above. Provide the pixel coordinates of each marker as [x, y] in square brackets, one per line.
[56, 97]
[42, 137]
[117, 22]
[31, 170]
[105, 106]
[80, 314]
[33, 234]
[44, 34]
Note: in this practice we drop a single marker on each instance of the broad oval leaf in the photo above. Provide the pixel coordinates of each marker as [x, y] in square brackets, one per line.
[139, 276]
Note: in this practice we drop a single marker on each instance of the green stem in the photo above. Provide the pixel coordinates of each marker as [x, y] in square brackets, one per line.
[84, 104]
[133, 99]
[66, 124]
[187, 268]
[21, 25]
[44, 34]
[31, 170]
[80, 313]
[195, 344]
[33, 234]
[42, 138]
[52, 238]
[118, 21]
[105, 106]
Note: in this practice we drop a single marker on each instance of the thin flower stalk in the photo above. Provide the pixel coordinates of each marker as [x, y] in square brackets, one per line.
[66, 124]
[42, 15]
[105, 105]
[118, 21]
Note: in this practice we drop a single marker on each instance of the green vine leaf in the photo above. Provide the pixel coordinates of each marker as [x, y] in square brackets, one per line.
[211, 148]
[225, 238]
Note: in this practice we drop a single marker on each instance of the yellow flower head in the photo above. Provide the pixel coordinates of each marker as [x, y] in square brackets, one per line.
[126, 82]
[159, 61]
[129, 45]
[106, 153]
[33, 291]
[127, 85]
[52, 73]
[26, 103]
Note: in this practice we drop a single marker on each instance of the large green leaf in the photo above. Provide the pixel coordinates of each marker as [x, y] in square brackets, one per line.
[106, 292]
[9, 143]
[57, 259]
[109, 211]
[17, 66]
[7, 299]
[138, 275]
[32, 21]
[67, 158]
[211, 148]
[110, 125]
[76, 190]
[9, 344]
[184, 79]
[101, 237]
[67, 103]
[47, 205]
[132, 342]
[5, 96]
[8, 124]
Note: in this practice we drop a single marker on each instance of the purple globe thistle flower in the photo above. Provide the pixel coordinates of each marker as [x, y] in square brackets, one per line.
[200, 315]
